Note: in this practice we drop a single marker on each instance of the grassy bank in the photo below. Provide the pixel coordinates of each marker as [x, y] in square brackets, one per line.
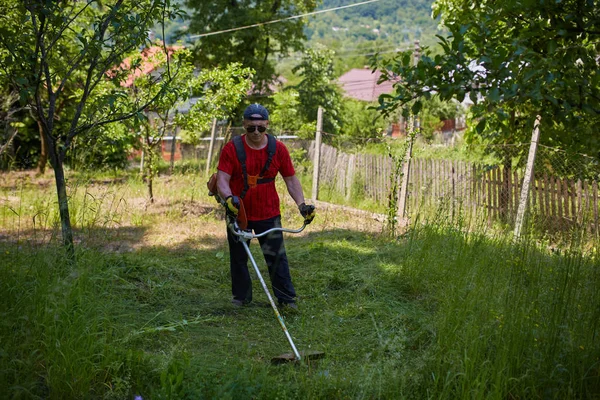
[145, 311]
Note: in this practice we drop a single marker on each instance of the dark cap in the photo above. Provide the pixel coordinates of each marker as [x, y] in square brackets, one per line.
[256, 112]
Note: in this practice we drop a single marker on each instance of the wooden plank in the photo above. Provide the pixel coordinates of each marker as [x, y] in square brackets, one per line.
[490, 181]
[552, 198]
[495, 188]
[488, 193]
[572, 190]
[579, 201]
[433, 180]
[585, 204]
[381, 179]
[461, 178]
[438, 179]
[482, 185]
[559, 201]
[452, 171]
[547, 208]
[447, 191]
[474, 188]
[517, 189]
[435, 176]
[377, 178]
[595, 206]
[509, 191]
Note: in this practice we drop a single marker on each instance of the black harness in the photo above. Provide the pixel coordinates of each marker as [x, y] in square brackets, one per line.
[251, 181]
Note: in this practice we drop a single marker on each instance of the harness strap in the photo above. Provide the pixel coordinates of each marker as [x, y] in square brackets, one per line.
[252, 180]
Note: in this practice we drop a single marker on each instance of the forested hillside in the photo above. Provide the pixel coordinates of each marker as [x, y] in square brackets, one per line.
[397, 22]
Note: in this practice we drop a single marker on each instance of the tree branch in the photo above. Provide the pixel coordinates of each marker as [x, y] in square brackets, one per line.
[67, 25]
[121, 117]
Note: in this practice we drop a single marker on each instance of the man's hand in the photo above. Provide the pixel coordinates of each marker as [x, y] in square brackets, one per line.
[308, 212]
[232, 206]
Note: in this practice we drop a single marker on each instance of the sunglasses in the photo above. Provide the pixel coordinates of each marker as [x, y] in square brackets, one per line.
[252, 128]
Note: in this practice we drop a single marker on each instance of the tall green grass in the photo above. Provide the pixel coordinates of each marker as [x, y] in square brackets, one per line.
[512, 321]
[440, 312]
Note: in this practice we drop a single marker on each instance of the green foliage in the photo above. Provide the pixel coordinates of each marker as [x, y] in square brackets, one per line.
[360, 123]
[221, 91]
[433, 112]
[218, 92]
[512, 70]
[285, 116]
[318, 89]
[397, 23]
[253, 47]
[58, 57]
[107, 147]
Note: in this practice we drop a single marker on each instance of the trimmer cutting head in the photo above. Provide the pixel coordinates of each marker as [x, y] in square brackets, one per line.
[290, 357]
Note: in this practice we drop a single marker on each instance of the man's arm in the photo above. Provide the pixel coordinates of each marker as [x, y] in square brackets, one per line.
[223, 179]
[294, 188]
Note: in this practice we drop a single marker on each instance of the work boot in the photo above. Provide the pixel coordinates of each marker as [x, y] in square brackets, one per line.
[237, 303]
[289, 306]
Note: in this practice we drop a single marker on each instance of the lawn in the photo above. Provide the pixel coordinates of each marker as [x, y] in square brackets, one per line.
[145, 311]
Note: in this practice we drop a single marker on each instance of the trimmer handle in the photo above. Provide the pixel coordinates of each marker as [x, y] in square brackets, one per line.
[247, 234]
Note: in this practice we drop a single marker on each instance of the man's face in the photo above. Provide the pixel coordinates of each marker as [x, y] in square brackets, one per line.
[253, 130]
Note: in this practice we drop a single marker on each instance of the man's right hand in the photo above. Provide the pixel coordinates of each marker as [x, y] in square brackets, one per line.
[232, 206]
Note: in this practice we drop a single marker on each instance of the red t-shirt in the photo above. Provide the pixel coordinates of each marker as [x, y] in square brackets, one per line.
[262, 201]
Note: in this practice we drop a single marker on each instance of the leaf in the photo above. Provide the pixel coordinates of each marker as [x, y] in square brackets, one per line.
[481, 126]
[473, 96]
[494, 95]
[416, 108]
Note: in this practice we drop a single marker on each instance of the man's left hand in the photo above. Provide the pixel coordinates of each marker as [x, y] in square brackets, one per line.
[307, 211]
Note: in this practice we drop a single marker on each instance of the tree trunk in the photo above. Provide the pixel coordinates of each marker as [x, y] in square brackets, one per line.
[149, 172]
[173, 146]
[142, 160]
[43, 160]
[63, 201]
[150, 193]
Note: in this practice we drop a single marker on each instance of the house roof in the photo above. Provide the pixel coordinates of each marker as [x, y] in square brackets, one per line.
[148, 64]
[361, 84]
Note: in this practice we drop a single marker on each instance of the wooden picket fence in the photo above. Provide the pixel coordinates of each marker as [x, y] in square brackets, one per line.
[555, 204]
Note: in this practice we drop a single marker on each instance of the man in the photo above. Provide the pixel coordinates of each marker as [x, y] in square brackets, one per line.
[261, 204]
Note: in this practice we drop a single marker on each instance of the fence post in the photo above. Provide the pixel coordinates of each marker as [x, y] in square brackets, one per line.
[407, 157]
[211, 146]
[317, 157]
[404, 187]
[527, 178]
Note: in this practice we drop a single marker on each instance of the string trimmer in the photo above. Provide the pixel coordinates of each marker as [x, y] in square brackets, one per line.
[246, 235]
[239, 228]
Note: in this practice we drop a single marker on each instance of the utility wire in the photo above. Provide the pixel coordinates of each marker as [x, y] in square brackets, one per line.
[280, 20]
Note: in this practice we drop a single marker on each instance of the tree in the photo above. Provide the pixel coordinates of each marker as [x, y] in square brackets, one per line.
[253, 47]
[218, 91]
[51, 49]
[432, 114]
[318, 88]
[285, 115]
[515, 59]
[361, 123]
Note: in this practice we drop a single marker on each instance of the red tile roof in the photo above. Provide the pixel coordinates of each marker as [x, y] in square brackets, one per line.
[148, 63]
[361, 84]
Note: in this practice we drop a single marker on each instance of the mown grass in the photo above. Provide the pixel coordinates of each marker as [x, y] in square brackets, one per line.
[436, 313]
